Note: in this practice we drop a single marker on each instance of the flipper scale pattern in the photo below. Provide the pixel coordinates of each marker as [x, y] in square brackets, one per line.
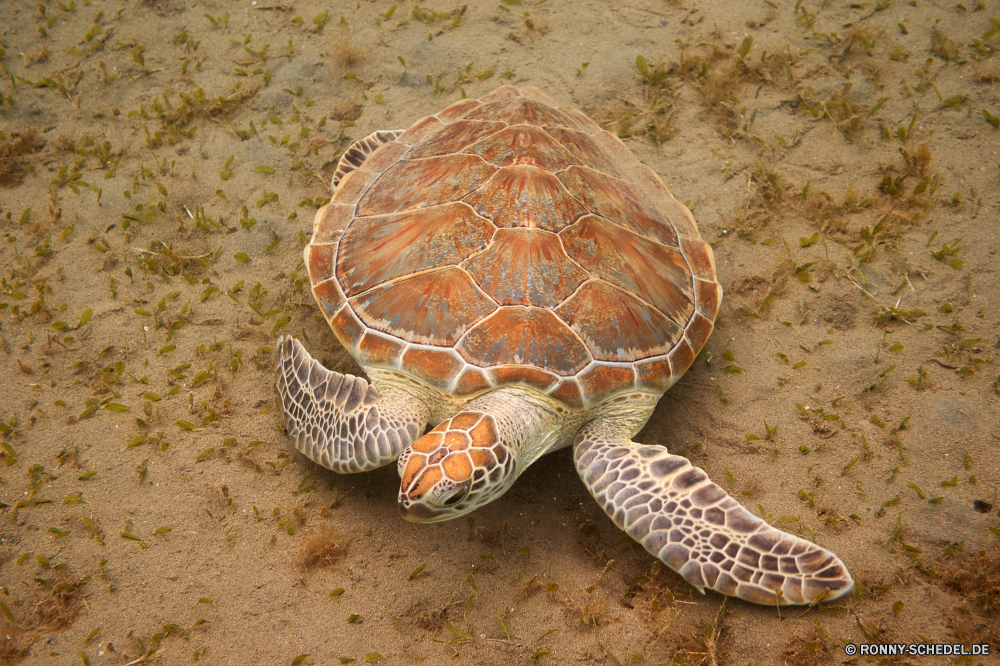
[341, 421]
[693, 526]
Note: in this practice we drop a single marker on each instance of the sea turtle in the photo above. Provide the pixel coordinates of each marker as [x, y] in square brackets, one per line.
[511, 274]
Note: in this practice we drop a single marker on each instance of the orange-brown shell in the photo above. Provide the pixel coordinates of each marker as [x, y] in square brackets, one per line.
[510, 240]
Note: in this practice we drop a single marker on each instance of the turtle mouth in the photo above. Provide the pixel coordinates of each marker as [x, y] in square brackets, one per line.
[437, 505]
[420, 512]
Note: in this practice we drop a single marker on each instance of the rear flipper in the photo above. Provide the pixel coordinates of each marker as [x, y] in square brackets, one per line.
[695, 528]
[341, 421]
[359, 151]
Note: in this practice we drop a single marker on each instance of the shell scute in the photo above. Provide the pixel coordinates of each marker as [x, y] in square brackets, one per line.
[455, 111]
[698, 330]
[621, 202]
[526, 196]
[329, 296]
[616, 149]
[421, 183]
[454, 138]
[353, 186]
[587, 151]
[385, 156]
[699, 256]
[524, 374]
[437, 368]
[381, 249]
[347, 327]
[568, 392]
[506, 92]
[582, 121]
[676, 213]
[377, 349]
[681, 357]
[602, 381]
[708, 294]
[419, 130]
[319, 261]
[524, 336]
[520, 110]
[330, 221]
[616, 325]
[656, 273]
[431, 308]
[526, 267]
[472, 380]
[523, 145]
[654, 374]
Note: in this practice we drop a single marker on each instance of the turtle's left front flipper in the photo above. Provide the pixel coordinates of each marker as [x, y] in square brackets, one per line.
[695, 528]
[341, 421]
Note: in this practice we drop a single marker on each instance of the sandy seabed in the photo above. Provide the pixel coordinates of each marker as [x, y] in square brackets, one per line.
[160, 166]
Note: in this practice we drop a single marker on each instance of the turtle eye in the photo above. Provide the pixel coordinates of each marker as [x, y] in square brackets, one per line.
[456, 496]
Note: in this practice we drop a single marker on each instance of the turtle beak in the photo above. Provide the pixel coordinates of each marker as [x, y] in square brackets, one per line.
[434, 505]
[419, 512]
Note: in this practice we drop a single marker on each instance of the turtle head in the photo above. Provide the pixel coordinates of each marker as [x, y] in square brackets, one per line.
[457, 467]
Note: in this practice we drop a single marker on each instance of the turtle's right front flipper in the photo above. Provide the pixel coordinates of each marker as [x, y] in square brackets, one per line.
[340, 421]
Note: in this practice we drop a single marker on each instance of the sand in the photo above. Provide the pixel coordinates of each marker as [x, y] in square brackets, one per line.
[161, 166]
